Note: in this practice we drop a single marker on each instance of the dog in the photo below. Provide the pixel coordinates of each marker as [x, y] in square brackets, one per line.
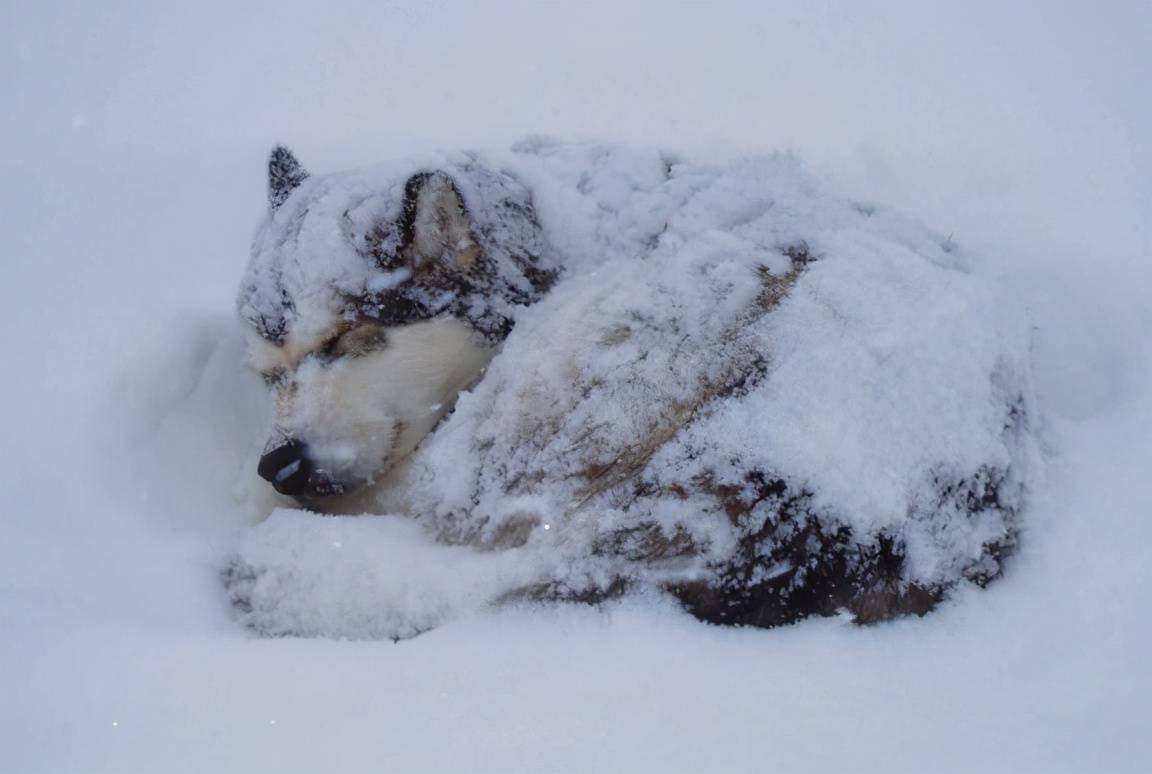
[713, 381]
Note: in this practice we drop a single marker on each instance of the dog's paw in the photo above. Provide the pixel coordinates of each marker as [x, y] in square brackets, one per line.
[261, 597]
[240, 580]
[358, 577]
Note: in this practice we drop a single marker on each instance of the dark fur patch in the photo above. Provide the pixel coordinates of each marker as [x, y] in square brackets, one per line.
[793, 561]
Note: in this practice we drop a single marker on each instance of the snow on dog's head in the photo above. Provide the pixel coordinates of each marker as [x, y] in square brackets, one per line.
[372, 298]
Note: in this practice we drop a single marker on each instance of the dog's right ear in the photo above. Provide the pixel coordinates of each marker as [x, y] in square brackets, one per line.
[285, 174]
[436, 224]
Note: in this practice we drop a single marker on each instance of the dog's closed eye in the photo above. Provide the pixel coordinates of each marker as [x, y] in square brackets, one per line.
[355, 342]
[274, 377]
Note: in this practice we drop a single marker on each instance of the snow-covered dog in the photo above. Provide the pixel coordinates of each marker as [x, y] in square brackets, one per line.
[598, 369]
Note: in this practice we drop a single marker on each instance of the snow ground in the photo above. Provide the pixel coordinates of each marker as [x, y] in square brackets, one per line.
[132, 180]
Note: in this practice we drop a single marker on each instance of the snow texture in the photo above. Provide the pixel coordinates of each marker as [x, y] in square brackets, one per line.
[736, 365]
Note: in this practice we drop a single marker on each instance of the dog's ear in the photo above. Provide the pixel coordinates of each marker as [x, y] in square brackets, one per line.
[439, 231]
[285, 174]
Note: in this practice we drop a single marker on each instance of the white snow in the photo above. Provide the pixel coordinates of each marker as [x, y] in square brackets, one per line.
[288, 470]
[133, 176]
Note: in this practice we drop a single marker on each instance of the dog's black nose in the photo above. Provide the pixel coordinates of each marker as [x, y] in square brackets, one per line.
[287, 466]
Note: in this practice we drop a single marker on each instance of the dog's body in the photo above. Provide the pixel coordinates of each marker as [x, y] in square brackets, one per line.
[649, 422]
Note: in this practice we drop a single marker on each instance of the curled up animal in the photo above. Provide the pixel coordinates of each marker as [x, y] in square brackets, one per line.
[571, 372]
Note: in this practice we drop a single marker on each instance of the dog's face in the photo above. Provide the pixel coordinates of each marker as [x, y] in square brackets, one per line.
[359, 384]
[349, 407]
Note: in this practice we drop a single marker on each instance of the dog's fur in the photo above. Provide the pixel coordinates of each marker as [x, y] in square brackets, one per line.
[354, 398]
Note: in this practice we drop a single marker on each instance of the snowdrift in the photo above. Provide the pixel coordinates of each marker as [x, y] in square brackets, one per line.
[764, 400]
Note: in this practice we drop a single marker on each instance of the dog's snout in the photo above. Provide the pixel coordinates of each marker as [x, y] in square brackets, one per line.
[287, 467]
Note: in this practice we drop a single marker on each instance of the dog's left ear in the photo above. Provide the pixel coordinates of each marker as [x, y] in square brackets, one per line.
[285, 174]
[440, 230]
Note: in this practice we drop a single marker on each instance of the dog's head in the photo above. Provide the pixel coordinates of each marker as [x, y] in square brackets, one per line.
[373, 298]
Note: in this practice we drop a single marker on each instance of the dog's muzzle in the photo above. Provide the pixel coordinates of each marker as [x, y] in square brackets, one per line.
[291, 472]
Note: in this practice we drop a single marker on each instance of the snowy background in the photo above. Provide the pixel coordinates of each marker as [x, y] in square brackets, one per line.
[132, 179]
